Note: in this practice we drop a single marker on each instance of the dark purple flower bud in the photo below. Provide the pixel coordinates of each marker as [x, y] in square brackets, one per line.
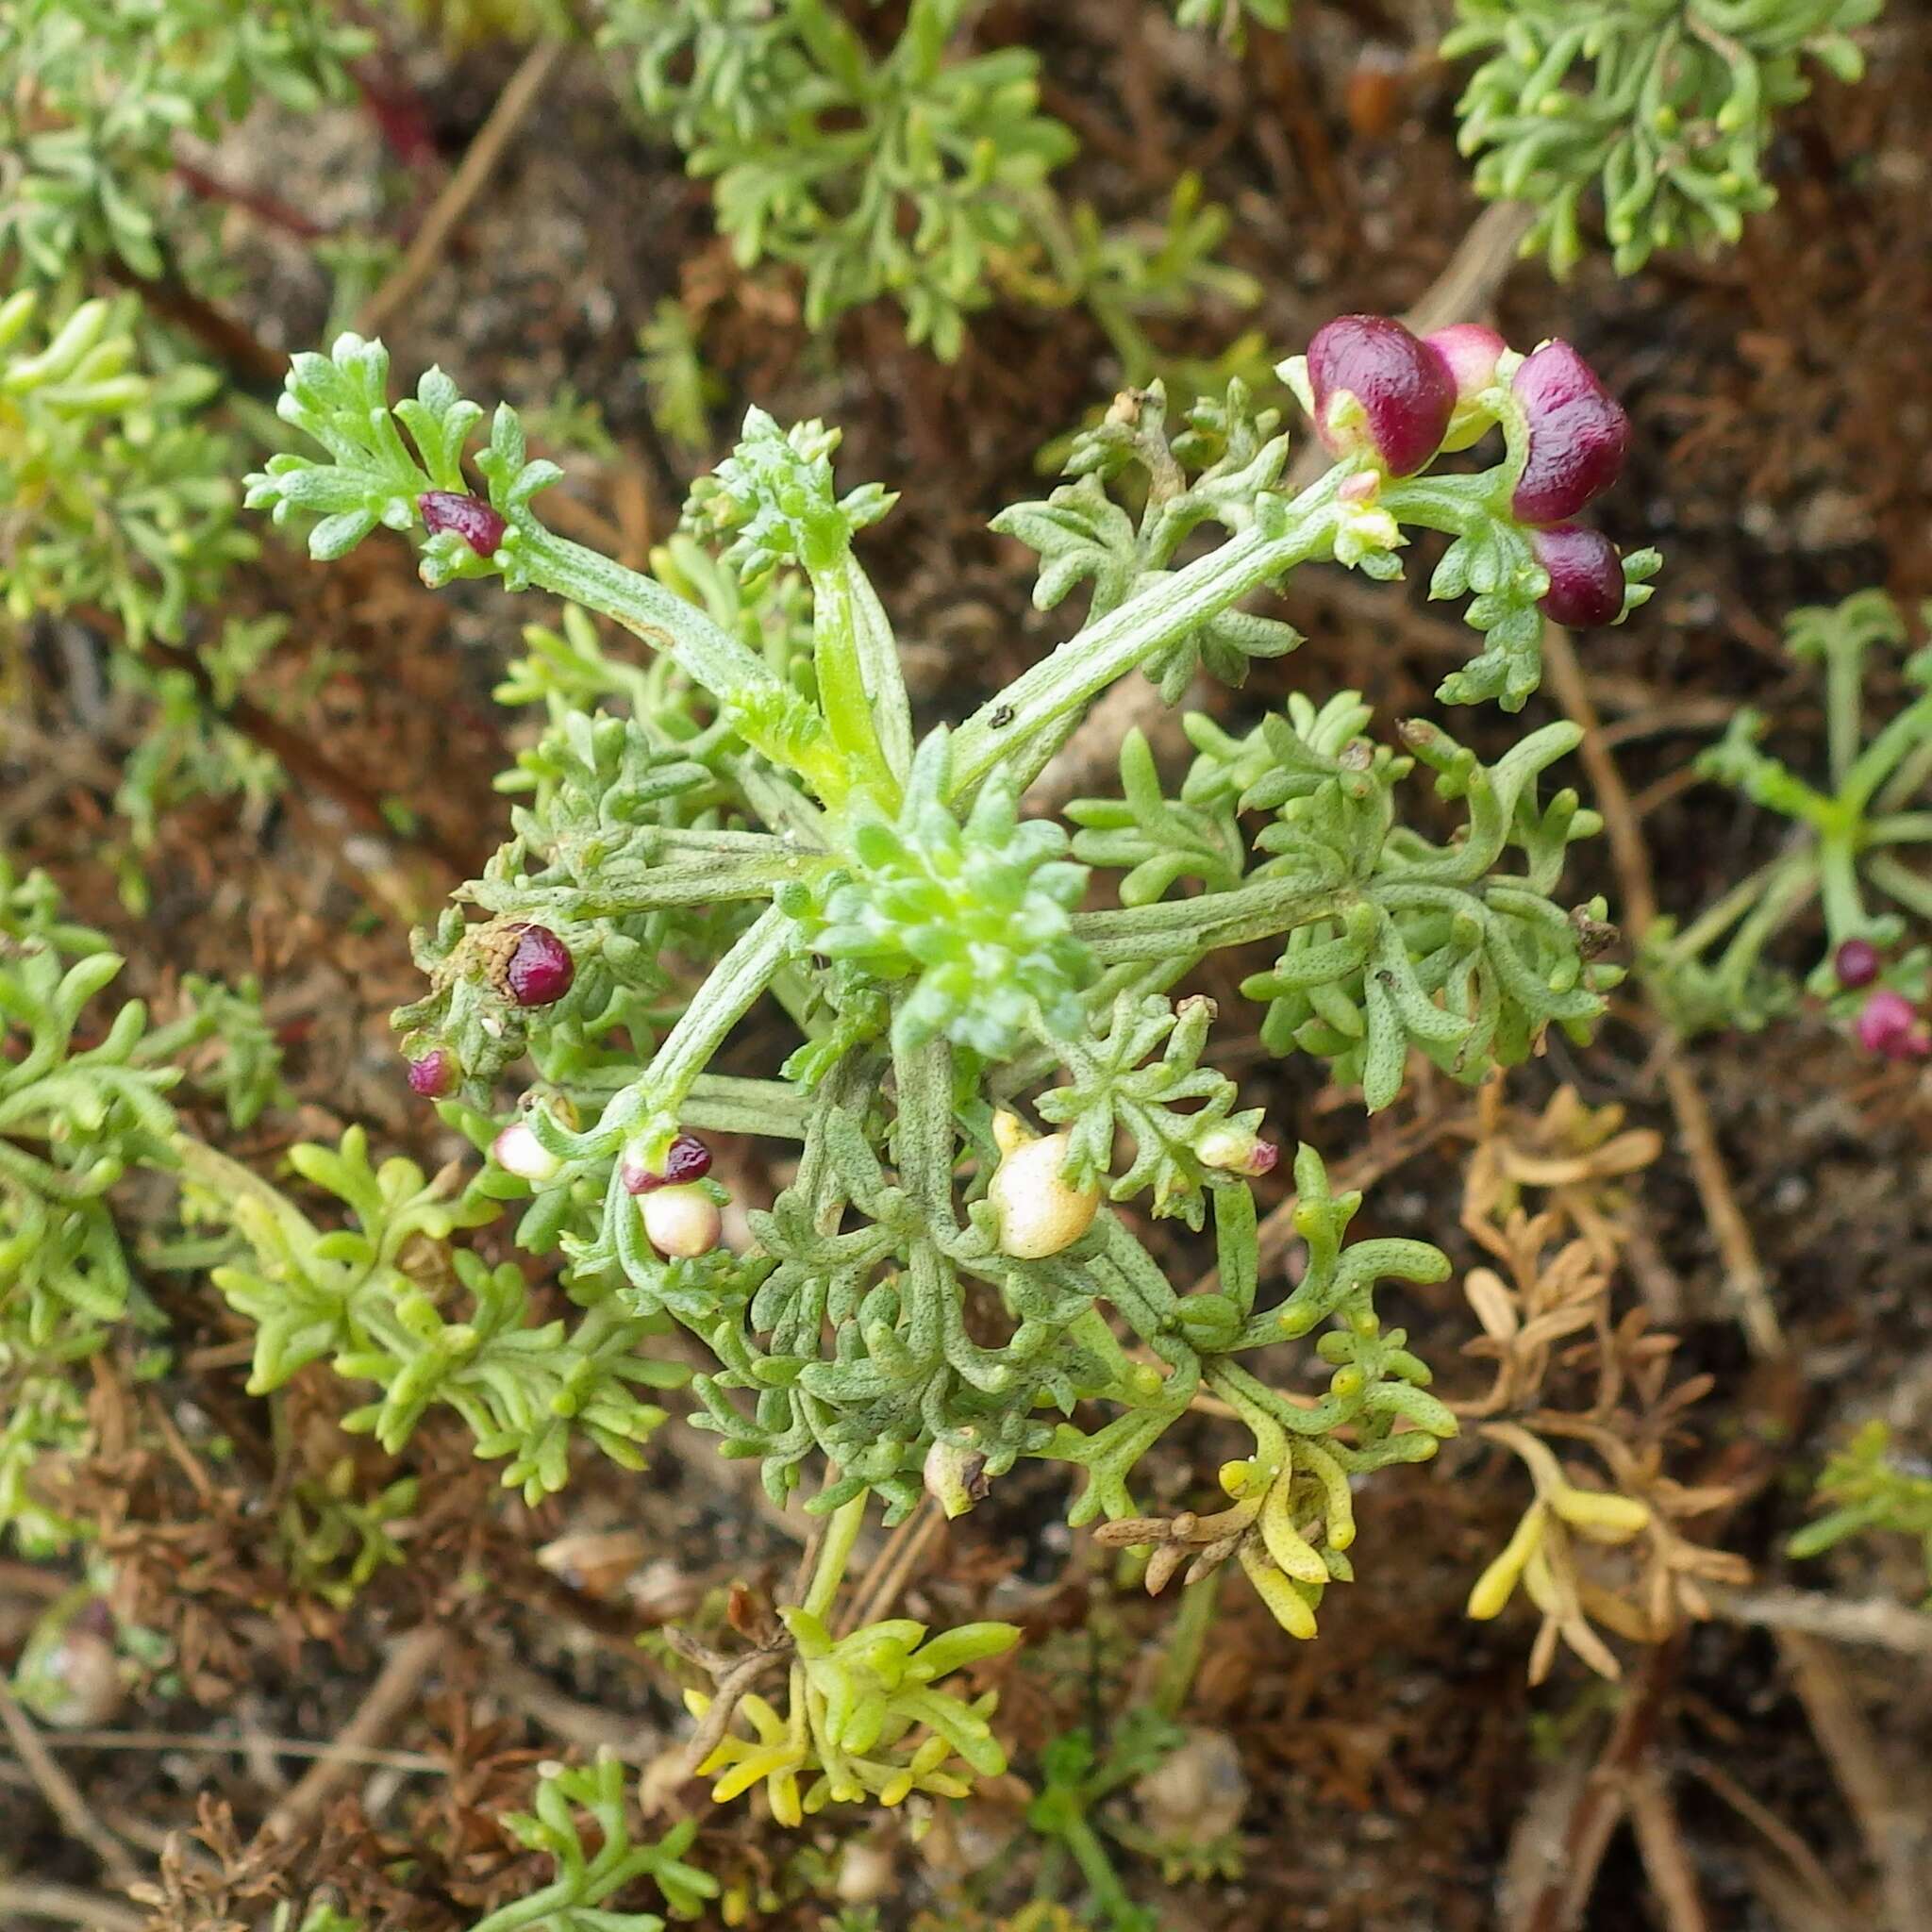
[1470, 351]
[1856, 963]
[688, 1160]
[470, 517]
[1586, 576]
[1889, 1026]
[434, 1075]
[1402, 392]
[1577, 435]
[540, 968]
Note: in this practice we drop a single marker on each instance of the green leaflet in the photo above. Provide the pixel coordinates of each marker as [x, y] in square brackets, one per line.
[93, 98]
[1664, 113]
[1853, 849]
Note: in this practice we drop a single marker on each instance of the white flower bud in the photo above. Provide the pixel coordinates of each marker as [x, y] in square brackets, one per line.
[681, 1223]
[1236, 1150]
[518, 1151]
[956, 1476]
[1037, 1211]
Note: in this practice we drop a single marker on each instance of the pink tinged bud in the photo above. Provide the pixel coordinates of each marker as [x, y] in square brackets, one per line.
[1234, 1150]
[472, 520]
[518, 1151]
[688, 1160]
[1586, 576]
[1469, 353]
[434, 1075]
[1579, 435]
[682, 1223]
[1401, 394]
[1888, 1026]
[1856, 963]
[540, 970]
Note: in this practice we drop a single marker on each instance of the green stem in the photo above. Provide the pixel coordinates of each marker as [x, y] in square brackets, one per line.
[1177, 602]
[1844, 722]
[722, 1103]
[700, 646]
[723, 999]
[1717, 918]
[1188, 1644]
[1192, 928]
[835, 1552]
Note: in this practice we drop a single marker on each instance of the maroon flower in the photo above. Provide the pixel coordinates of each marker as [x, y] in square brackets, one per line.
[434, 1075]
[688, 1160]
[1469, 352]
[1856, 963]
[1585, 576]
[1577, 435]
[470, 517]
[1889, 1026]
[539, 971]
[1404, 389]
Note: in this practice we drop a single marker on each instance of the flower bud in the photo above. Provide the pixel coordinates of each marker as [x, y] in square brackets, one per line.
[518, 1151]
[689, 1159]
[1037, 1210]
[956, 1475]
[1236, 1150]
[434, 1075]
[1469, 352]
[538, 969]
[1579, 435]
[681, 1223]
[1380, 391]
[472, 519]
[1585, 576]
[69, 1673]
[1856, 963]
[1889, 1026]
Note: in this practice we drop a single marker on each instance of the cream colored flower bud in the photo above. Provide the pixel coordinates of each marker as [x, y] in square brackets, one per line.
[1037, 1210]
[682, 1223]
[518, 1151]
[956, 1476]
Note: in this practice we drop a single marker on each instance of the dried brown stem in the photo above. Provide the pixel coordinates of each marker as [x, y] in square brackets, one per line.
[62, 1794]
[893, 1567]
[1888, 1808]
[396, 1688]
[1889, 1626]
[66, 1905]
[1745, 1278]
[430, 242]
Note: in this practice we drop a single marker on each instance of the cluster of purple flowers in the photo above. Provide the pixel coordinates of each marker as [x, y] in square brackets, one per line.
[1399, 399]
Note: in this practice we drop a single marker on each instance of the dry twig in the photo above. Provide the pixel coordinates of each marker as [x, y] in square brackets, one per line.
[62, 1794]
[394, 1691]
[431, 241]
[1889, 1812]
[1744, 1279]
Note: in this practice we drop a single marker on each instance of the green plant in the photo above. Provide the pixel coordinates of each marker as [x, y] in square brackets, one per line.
[1230, 18]
[932, 952]
[118, 493]
[682, 390]
[82, 1103]
[1666, 106]
[1076, 1780]
[1868, 1490]
[586, 1876]
[920, 174]
[93, 94]
[1850, 842]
